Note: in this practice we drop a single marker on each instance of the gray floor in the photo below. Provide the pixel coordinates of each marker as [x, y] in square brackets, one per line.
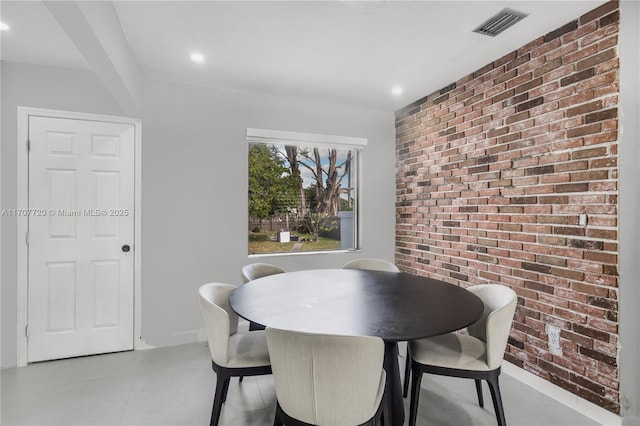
[174, 386]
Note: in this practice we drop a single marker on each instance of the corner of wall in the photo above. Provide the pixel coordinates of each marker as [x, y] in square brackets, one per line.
[629, 46]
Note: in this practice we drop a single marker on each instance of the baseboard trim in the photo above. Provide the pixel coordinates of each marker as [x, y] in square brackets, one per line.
[141, 345]
[574, 402]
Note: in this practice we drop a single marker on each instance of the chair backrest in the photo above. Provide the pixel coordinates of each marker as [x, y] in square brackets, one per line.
[220, 321]
[325, 379]
[494, 325]
[371, 264]
[259, 270]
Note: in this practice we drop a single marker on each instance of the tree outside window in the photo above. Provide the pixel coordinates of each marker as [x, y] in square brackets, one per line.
[301, 197]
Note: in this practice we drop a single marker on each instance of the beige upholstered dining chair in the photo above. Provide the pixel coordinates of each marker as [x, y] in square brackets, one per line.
[477, 355]
[371, 264]
[233, 353]
[254, 271]
[325, 379]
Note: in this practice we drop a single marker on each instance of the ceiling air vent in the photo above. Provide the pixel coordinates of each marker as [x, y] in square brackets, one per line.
[500, 22]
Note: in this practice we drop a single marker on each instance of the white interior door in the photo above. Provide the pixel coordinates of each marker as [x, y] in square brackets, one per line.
[80, 238]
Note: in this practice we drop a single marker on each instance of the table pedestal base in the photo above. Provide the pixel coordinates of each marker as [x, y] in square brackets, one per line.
[394, 410]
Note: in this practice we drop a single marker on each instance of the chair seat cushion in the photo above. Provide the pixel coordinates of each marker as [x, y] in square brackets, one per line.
[453, 350]
[248, 349]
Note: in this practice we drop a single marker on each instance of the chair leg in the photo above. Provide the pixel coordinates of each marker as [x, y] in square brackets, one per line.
[407, 373]
[218, 398]
[225, 389]
[415, 395]
[277, 420]
[240, 380]
[494, 387]
[479, 392]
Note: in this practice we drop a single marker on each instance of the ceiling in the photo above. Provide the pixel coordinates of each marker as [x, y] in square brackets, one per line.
[352, 52]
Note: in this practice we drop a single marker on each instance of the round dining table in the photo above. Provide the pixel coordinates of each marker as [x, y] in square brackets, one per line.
[390, 305]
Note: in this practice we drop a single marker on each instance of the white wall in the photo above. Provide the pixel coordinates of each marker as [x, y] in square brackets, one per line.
[629, 214]
[195, 192]
[194, 196]
[43, 87]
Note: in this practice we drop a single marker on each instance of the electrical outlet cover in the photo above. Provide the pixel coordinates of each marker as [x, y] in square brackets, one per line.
[553, 337]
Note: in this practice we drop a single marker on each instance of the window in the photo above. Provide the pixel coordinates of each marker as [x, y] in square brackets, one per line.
[303, 192]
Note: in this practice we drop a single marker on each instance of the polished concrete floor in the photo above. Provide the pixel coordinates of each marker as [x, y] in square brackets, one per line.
[174, 387]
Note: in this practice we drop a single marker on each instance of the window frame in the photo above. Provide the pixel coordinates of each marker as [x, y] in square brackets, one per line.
[314, 140]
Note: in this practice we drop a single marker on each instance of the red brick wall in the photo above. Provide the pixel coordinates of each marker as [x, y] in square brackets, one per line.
[492, 172]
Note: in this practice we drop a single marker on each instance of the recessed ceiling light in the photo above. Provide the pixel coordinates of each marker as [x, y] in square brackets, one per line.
[196, 57]
[397, 90]
[4, 27]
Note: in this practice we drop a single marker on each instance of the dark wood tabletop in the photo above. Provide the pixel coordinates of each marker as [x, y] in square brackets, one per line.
[390, 305]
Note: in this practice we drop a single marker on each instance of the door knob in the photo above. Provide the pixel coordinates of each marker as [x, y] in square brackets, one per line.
[126, 248]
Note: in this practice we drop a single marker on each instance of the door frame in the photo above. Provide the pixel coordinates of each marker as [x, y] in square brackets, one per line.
[22, 221]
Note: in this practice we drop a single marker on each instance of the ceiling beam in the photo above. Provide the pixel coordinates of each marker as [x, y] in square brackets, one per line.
[94, 27]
